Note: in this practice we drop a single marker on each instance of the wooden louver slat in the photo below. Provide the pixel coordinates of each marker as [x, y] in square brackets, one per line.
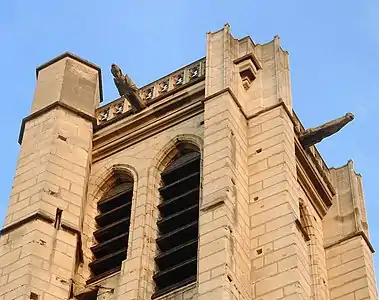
[112, 234]
[178, 224]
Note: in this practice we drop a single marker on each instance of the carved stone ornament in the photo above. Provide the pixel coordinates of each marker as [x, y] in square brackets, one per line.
[315, 135]
[248, 67]
[194, 72]
[148, 94]
[163, 87]
[104, 115]
[126, 88]
[178, 79]
[118, 108]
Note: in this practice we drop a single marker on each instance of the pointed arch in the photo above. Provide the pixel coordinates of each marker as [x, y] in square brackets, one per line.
[100, 183]
[179, 144]
[108, 215]
[182, 142]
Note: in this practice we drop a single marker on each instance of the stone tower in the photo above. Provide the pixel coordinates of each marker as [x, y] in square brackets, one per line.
[205, 191]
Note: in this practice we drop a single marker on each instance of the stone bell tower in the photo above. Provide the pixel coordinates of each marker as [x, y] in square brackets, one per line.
[201, 185]
[42, 229]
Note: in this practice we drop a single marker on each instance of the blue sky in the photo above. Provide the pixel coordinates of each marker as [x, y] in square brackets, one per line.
[333, 46]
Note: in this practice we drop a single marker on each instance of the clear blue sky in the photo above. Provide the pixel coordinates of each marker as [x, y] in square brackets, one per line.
[333, 46]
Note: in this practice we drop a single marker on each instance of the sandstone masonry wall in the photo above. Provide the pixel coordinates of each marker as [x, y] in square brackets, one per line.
[263, 232]
[348, 250]
[42, 228]
[144, 161]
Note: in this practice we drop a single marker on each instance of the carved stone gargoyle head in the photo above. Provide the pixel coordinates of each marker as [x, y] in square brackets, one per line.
[315, 135]
[127, 88]
[349, 116]
[116, 71]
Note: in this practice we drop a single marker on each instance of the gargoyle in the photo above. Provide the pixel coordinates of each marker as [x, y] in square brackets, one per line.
[126, 88]
[315, 135]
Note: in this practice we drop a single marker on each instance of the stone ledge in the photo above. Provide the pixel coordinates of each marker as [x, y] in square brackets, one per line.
[48, 108]
[140, 127]
[39, 215]
[350, 236]
[235, 99]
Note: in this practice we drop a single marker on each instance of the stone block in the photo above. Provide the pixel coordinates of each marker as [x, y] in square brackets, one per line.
[347, 277]
[212, 247]
[70, 80]
[10, 257]
[265, 272]
[279, 222]
[211, 284]
[274, 282]
[345, 267]
[271, 213]
[211, 261]
[16, 287]
[348, 288]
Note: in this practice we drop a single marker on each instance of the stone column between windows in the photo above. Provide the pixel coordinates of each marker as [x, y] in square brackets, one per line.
[224, 267]
[137, 270]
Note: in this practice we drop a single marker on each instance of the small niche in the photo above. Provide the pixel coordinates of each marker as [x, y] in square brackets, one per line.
[33, 296]
[52, 193]
[256, 198]
[258, 150]
[259, 251]
[61, 137]
[58, 218]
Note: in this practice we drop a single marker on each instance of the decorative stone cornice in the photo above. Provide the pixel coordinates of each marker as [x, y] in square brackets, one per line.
[125, 132]
[319, 191]
[153, 92]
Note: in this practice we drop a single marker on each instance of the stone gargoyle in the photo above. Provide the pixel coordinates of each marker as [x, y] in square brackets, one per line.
[315, 135]
[126, 88]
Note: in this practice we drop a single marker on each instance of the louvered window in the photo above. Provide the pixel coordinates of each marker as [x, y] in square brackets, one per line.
[178, 224]
[113, 231]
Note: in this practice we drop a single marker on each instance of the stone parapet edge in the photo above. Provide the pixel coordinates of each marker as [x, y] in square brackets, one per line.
[350, 236]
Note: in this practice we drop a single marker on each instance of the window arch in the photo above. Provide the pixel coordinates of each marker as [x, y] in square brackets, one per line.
[177, 240]
[113, 222]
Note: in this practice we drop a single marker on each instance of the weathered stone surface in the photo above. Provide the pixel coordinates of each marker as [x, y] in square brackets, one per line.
[53, 163]
[262, 232]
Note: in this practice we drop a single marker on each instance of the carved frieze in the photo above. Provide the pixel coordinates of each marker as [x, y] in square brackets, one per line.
[133, 100]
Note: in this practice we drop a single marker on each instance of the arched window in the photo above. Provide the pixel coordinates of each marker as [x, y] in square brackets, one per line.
[112, 234]
[178, 223]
